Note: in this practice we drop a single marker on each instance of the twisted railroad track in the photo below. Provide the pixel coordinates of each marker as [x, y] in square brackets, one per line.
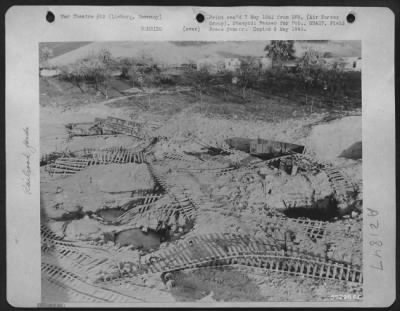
[235, 250]
[71, 165]
[80, 290]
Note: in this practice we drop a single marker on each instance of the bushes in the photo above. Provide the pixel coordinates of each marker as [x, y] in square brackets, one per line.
[309, 79]
[94, 70]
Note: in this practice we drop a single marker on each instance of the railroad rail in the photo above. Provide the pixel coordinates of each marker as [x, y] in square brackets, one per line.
[339, 183]
[216, 170]
[146, 199]
[314, 229]
[130, 288]
[119, 156]
[47, 233]
[223, 249]
[76, 287]
[188, 207]
[140, 193]
[181, 157]
[70, 165]
[143, 210]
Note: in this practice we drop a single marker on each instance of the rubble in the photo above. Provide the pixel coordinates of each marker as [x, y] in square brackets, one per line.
[192, 188]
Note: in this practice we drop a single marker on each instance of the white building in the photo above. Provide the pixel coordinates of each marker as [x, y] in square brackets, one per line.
[50, 72]
[351, 63]
[265, 63]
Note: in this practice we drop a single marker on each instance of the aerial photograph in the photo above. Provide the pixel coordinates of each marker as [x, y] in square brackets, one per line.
[201, 171]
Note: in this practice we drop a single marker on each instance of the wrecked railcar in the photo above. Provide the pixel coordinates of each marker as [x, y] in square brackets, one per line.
[86, 128]
[108, 126]
[263, 148]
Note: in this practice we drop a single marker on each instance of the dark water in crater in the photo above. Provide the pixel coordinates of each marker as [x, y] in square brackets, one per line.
[324, 209]
[110, 213]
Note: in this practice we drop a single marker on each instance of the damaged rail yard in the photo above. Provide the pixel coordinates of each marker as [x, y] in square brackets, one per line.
[201, 171]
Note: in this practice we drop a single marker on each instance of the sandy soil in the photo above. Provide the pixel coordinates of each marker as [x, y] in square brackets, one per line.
[239, 203]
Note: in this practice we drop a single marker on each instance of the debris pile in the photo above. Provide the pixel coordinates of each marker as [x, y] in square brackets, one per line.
[189, 200]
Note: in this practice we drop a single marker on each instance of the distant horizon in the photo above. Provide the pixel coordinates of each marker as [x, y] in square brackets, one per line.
[175, 52]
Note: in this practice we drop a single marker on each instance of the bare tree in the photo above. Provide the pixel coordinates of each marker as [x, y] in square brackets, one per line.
[94, 70]
[45, 54]
[247, 75]
[201, 80]
[280, 50]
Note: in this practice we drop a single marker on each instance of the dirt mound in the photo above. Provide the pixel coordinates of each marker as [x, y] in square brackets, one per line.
[83, 229]
[216, 130]
[328, 141]
[96, 187]
[119, 178]
[353, 152]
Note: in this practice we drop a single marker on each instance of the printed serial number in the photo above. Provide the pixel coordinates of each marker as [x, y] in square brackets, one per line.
[346, 297]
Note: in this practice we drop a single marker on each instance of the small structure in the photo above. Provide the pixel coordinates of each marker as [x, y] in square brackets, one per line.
[232, 64]
[45, 72]
[343, 63]
[85, 129]
[265, 63]
[264, 148]
[270, 147]
[290, 65]
[108, 126]
[121, 126]
[351, 63]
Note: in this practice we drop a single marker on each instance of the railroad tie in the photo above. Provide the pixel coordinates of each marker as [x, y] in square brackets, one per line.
[166, 254]
[273, 266]
[303, 268]
[329, 274]
[180, 259]
[186, 255]
[173, 258]
[245, 241]
[253, 249]
[296, 268]
[113, 156]
[321, 270]
[118, 156]
[233, 250]
[213, 251]
[314, 269]
[242, 249]
[65, 252]
[309, 269]
[218, 249]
